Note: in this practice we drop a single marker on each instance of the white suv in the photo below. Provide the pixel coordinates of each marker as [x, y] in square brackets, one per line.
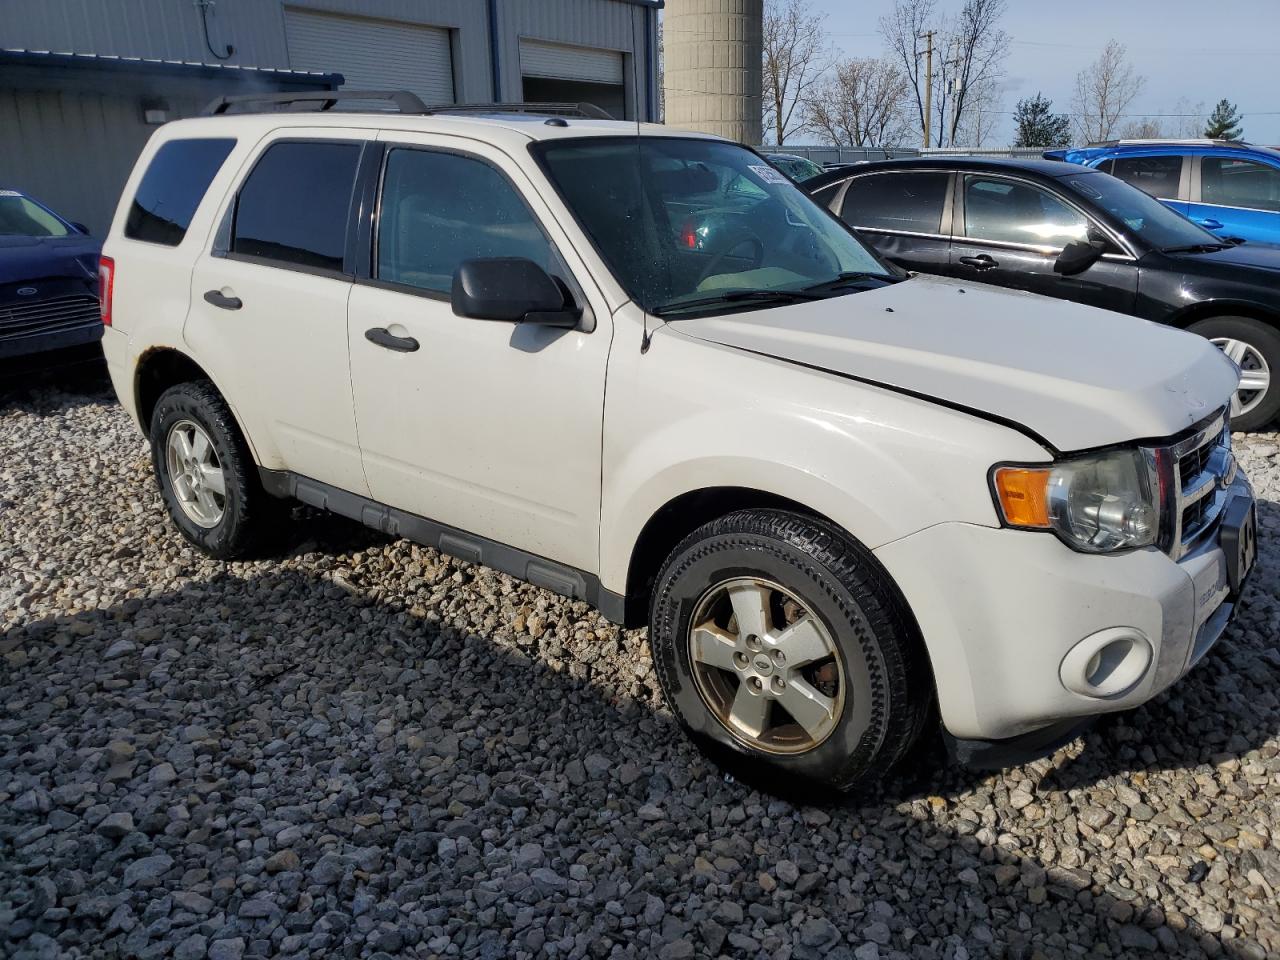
[641, 368]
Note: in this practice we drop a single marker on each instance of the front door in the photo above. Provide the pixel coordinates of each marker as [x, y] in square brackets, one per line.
[268, 312]
[491, 427]
[1010, 233]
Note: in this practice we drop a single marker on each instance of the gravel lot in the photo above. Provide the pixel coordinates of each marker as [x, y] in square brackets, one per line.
[363, 748]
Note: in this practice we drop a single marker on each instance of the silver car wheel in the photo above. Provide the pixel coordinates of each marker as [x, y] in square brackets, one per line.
[766, 666]
[195, 475]
[1255, 375]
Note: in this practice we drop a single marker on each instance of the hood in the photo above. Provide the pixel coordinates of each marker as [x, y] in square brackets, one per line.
[1256, 256]
[33, 258]
[1074, 376]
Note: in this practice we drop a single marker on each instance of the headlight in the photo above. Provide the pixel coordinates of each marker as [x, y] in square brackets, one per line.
[1096, 503]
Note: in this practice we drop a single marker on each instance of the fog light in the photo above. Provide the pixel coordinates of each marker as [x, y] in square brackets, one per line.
[1107, 664]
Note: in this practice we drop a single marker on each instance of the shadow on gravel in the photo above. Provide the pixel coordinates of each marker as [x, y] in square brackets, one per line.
[77, 377]
[301, 767]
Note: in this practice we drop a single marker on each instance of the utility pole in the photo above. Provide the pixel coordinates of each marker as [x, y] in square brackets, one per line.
[927, 36]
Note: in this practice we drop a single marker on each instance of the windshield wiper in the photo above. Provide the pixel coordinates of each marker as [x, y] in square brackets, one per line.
[849, 278]
[737, 296]
[1196, 248]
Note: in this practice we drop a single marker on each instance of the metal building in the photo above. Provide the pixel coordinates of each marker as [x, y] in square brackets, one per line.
[83, 82]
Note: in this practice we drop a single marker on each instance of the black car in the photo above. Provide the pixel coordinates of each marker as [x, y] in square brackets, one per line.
[48, 280]
[1065, 231]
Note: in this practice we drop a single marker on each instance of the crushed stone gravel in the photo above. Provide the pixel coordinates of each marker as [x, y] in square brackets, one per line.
[362, 748]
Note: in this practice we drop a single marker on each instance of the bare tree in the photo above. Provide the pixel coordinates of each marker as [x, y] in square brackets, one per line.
[1104, 91]
[795, 58]
[969, 54]
[1142, 128]
[864, 102]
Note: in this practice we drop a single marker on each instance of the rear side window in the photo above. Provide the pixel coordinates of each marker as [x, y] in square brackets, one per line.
[904, 202]
[172, 188]
[292, 209]
[1157, 176]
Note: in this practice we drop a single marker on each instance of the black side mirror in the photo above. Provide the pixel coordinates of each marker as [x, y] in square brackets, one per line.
[512, 289]
[1078, 256]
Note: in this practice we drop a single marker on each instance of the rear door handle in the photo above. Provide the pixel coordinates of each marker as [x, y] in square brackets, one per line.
[385, 338]
[981, 262]
[218, 299]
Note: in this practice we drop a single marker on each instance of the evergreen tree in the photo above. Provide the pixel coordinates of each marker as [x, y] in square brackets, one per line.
[1224, 122]
[1039, 126]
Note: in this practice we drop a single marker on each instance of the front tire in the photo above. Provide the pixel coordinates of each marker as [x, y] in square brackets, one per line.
[207, 477]
[1255, 348]
[781, 644]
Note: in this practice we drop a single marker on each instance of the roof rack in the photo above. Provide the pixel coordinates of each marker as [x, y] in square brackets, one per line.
[403, 100]
[1173, 141]
[589, 110]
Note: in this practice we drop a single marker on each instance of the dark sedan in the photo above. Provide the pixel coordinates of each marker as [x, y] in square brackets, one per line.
[48, 279]
[1052, 228]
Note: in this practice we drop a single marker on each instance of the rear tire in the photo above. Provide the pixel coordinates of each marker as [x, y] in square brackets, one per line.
[1255, 346]
[207, 477]
[784, 648]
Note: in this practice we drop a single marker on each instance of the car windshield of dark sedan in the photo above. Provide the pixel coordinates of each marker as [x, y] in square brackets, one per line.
[20, 217]
[1147, 217]
[689, 224]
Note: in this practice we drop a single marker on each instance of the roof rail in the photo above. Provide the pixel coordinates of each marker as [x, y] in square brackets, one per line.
[404, 101]
[589, 110]
[1173, 142]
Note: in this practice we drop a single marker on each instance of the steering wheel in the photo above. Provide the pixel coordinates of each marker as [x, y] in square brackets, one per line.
[757, 256]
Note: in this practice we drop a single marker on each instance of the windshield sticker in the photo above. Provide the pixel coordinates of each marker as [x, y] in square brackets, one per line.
[9, 193]
[767, 173]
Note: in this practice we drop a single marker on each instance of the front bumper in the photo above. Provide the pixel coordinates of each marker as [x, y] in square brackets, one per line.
[1006, 613]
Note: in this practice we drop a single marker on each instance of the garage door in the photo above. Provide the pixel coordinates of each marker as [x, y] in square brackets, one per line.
[560, 61]
[373, 54]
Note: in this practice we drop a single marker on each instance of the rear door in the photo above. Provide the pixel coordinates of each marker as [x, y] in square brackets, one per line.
[903, 214]
[1009, 232]
[1237, 196]
[1166, 177]
[269, 304]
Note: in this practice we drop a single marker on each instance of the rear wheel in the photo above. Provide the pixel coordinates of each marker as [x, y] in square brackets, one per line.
[1255, 348]
[781, 644]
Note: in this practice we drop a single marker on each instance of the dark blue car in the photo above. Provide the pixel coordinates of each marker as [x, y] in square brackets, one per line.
[1227, 186]
[48, 279]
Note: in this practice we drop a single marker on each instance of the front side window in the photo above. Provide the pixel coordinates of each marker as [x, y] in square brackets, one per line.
[172, 188]
[902, 202]
[22, 217]
[439, 209]
[1157, 176]
[1239, 183]
[1011, 212]
[679, 220]
[292, 209]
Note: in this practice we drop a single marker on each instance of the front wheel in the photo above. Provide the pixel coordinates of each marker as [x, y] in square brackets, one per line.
[780, 643]
[1255, 348]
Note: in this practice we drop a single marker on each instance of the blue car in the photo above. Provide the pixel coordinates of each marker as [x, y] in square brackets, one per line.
[1226, 186]
[48, 279]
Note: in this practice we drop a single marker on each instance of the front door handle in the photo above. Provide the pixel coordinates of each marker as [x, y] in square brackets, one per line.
[385, 338]
[218, 299]
[980, 262]
[1210, 224]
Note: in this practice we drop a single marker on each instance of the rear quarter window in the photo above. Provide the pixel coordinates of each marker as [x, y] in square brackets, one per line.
[173, 186]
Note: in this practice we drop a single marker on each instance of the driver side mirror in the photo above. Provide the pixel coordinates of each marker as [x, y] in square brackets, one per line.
[511, 289]
[1078, 256]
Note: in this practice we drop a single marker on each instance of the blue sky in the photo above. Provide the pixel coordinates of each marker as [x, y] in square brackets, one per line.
[1200, 50]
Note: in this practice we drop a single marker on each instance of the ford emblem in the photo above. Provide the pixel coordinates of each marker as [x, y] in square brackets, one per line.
[27, 291]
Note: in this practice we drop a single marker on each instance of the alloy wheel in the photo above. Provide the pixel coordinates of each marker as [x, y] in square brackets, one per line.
[1255, 374]
[195, 474]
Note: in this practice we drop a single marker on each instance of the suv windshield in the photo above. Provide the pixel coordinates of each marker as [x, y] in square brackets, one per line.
[703, 224]
[20, 217]
[1145, 216]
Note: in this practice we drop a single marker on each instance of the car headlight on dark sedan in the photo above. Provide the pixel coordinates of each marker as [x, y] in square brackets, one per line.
[1097, 503]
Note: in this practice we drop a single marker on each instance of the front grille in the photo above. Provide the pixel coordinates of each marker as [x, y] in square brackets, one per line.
[47, 316]
[1201, 468]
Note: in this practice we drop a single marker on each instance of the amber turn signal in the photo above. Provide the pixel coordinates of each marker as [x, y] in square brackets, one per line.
[1023, 495]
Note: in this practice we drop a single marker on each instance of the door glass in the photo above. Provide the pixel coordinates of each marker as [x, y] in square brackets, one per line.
[1239, 183]
[1012, 212]
[905, 202]
[1157, 176]
[293, 207]
[172, 188]
[439, 209]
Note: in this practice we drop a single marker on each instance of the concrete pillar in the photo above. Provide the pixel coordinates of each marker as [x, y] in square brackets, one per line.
[711, 66]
